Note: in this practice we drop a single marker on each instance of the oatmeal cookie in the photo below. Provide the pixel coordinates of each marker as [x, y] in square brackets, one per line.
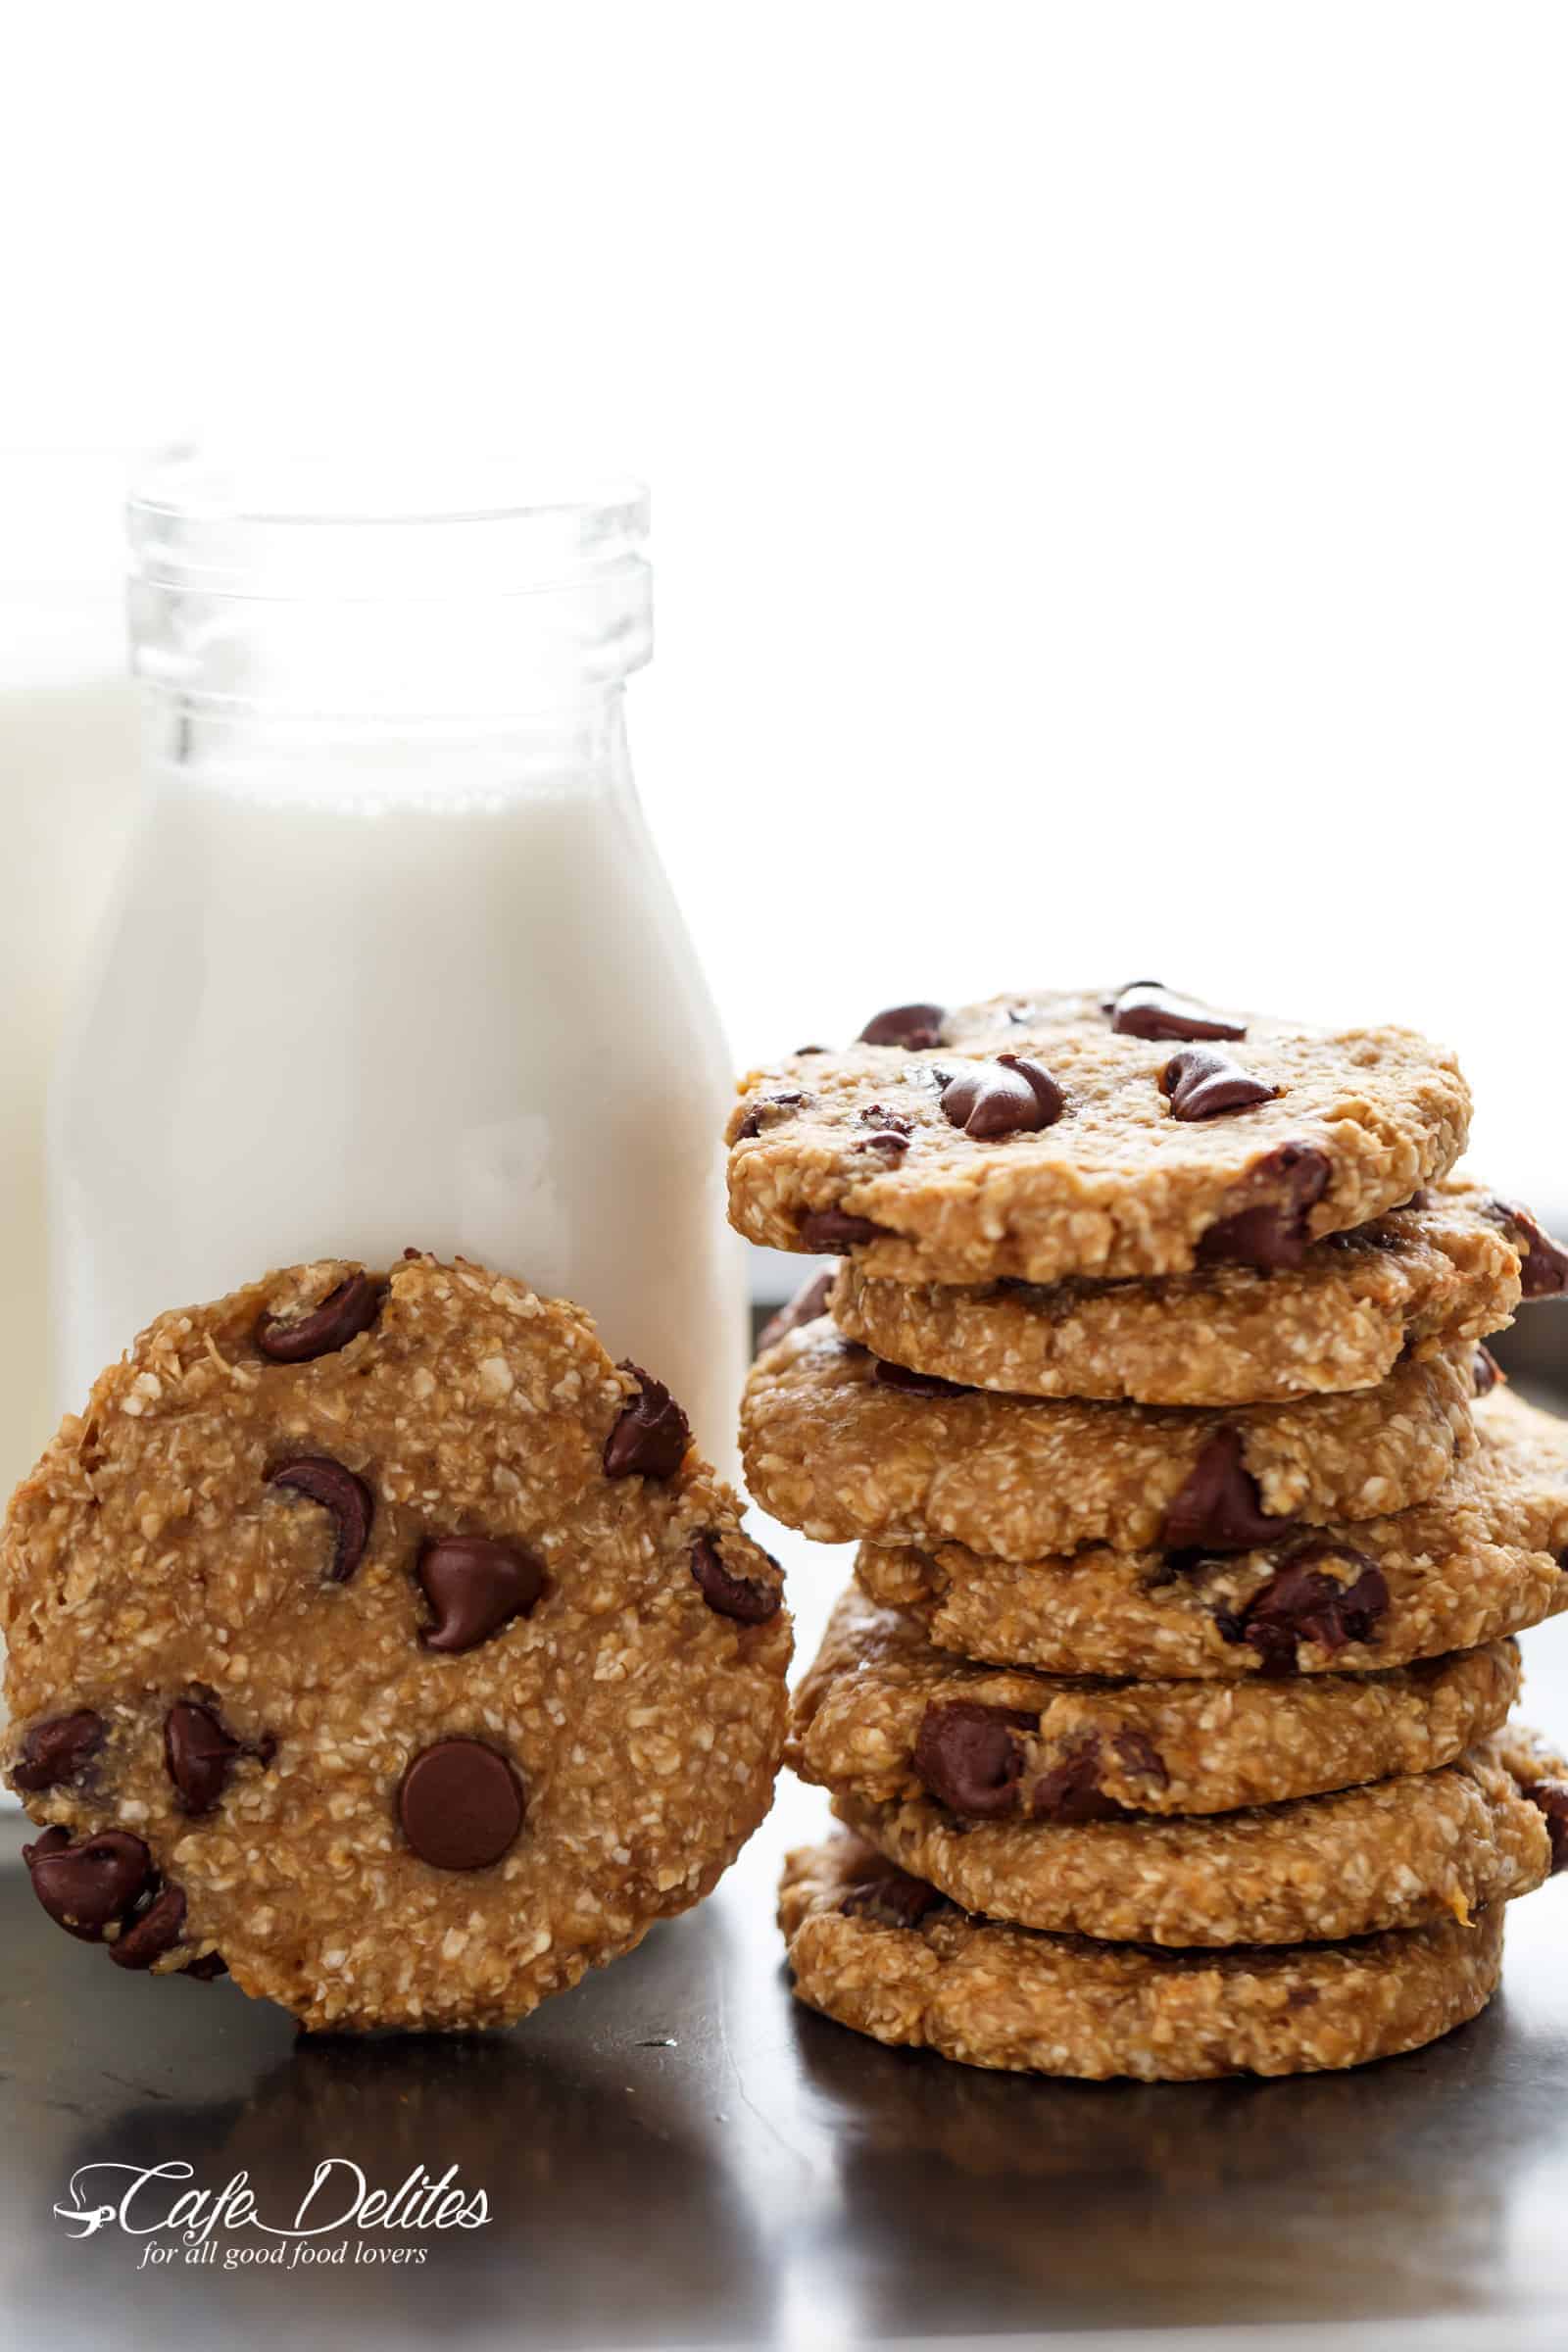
[1397, 1853]
[1096, 1134]
[1486, 1557]
[378, 1637]
[843, 1446]
[881, 1715]
[1441, 1270]
[889, 1957]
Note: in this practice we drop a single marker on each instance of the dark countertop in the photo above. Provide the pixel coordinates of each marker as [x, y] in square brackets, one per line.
[676, 2153]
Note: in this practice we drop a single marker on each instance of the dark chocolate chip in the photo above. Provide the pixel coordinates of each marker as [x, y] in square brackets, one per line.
[747, 1599]
[894, 1900]
[1136, 1753]
[1301, 1603]
[970, 1756]
[1200, 1085]
[892, 1122]
[651, 1433]
[346, 1311]
[888, 1144]
[197, 1753]
[460, 1805]
[60, 1749]
[1109, 1004]
[83, 1886]
[1487, 1372]
[1551, 1797]
[1008, 1096]
[1070, 1791]
[1146, 1009]
[347, 1499]
[476, 1585]
[1273, 1236]
[829, 1229]
[808, 1303]
[156, 1931]
[1218, 1506]
[915, 1384]
[768, 1110]
[1543, 1262]
[916, 1027]
[210, 1964]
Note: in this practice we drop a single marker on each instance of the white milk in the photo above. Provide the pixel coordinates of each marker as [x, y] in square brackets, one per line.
[68, 770]
[421, 983]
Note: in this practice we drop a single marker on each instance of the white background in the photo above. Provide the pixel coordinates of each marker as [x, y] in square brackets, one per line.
[1109, 461]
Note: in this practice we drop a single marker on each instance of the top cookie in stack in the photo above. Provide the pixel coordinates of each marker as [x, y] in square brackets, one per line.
[1151, 1354]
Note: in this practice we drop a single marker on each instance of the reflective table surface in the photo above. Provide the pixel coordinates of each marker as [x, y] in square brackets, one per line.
[676, 2153]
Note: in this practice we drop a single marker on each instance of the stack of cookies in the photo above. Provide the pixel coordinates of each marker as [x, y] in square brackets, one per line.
[1166, 1714]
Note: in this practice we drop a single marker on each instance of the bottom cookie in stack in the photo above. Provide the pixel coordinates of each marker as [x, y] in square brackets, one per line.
[1167, 1879]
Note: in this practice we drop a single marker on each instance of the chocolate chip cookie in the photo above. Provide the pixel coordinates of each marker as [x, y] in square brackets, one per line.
[889, 1957]
[372, 1635]
[881, 1715]
[843, 1446]
[1441, 1270]
[1397, 1853]
[1106, 1135]
[1487, 1556]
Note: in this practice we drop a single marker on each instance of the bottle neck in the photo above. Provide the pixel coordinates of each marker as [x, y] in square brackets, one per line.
[574, 745]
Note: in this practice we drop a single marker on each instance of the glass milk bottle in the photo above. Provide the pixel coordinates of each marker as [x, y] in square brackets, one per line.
[393, 960]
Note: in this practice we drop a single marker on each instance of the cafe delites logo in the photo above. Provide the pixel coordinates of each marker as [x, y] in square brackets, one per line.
[336, 2221]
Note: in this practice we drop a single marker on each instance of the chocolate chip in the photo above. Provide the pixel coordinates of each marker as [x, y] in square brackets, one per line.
[210, 1964]
[1273, 1236]
[1136, 1753]
[893, 1122]
[808, 1303]
[1219, 1505]
[887, 1143]
[460, 1805]
[1070, 1791]
[1551, 1797]
[60, 1749]
[757, 1118]
[476, 1585]
[970, 1757]
[746, 1599]
[346, 1311]
[197, 1753]
[1543, 1262]
[1200, 1085]
[894, 1900]
[1300, 1603]
[1487, 1372]
[916, 1027]
[1147, 1009]
[827, 1229]
[155, 1931]
[84, 1887]
[347, 1499]
[652, 1434]
[915, 1384]
[1008, 1096]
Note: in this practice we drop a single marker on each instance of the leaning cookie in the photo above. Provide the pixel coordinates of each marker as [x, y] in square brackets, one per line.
[375, 1636]
[1445, 1269]
[842, 1446]
[1399, 1853]
[881, 1715]
[889, 1957]
[1130, 1133]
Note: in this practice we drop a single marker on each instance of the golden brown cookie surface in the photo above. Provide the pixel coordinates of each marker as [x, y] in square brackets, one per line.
[881, 1715]
[1439, 1272]
[1099, 1134]
[842, 1446]
[887, 1957]
[1487, 1556]
[380, 1636]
